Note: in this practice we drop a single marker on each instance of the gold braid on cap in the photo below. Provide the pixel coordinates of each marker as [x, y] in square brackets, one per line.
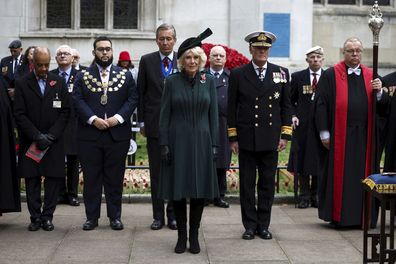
[232, 132]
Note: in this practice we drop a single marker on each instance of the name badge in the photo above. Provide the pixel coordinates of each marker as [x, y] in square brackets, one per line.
[70, 88]
[57, 104]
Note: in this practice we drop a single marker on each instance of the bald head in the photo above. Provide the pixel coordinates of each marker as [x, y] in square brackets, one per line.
[41, 61]
[217, 58]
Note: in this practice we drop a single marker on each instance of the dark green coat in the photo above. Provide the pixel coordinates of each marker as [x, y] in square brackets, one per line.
[189, 126]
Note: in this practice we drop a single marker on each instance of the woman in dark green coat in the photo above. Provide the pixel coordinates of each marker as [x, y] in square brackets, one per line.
[188, 139]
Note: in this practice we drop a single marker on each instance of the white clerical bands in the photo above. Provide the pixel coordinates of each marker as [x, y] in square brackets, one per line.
[355, 71]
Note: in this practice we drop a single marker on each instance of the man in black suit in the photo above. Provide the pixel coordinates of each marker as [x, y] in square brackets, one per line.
[153, 68]
[259, 121]
[41, 110]
[9, 65]
[105, 97]
[69, 189]
[303, 88]
[217, 59]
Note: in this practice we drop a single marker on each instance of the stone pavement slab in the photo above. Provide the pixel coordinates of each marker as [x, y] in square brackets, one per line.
[299, 237]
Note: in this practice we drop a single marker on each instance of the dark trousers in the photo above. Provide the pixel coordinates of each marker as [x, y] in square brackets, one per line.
[266, 163]
[308, 187]
[103, 165]
[33, 197]
[222, 182]
[69, 187]
[154, 156]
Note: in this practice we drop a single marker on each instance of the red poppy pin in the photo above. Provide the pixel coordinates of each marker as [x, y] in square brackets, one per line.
[52, 83]
[203, 78]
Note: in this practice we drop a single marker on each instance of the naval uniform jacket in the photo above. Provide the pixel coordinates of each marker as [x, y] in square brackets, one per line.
[150, 85]
[70, 135]
[34, 114]
[224, 153]
[122, 99]
[259, 112]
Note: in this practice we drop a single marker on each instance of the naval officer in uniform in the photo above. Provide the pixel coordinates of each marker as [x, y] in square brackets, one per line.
[259, 125]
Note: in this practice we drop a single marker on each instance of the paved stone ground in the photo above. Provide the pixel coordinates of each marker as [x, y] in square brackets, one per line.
[299, 237]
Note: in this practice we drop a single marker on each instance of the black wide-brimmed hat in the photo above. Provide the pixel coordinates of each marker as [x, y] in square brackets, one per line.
[193, 42]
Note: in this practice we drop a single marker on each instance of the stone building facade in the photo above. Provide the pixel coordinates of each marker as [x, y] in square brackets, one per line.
[299, 25]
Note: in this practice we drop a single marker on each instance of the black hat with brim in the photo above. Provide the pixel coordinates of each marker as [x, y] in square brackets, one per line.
[193, 42]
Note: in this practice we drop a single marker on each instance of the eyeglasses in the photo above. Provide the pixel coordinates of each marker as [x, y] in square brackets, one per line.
[107, 49]
[352, 51]
[59, 54]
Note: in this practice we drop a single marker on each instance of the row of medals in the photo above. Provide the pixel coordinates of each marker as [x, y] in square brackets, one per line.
[90, 82]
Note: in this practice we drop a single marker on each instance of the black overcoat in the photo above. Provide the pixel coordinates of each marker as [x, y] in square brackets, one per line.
[9, 182]
[34, 114]
[302, 96]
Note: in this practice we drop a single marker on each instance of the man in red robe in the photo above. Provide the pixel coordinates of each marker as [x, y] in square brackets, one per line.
[343, 117]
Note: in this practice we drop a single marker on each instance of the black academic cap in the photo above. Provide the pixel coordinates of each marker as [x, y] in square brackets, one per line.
[15, 44]
[193, 42]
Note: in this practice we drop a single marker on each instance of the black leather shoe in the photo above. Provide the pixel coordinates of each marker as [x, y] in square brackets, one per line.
[264, 234]
[63, 200]
[116, 224]
[221, 203]
[156, 225]
[90, 224]
[303, 204]
[35, 225]
[172, 224]
[314, 203]
[248, 234]
[73, 201]
[47, 225]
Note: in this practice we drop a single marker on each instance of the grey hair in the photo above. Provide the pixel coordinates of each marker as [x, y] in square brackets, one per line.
[64, 47]
[352, 39]
[166, 26]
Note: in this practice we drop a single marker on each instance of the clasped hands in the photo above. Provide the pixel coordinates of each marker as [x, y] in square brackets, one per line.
[44, 141]
[103, 124]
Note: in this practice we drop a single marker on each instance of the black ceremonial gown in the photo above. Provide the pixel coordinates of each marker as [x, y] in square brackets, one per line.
[9, 182]
[389, 81]
[340, 189]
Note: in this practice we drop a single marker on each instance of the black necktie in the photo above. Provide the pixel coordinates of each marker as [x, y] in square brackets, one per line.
[15, 65]
[217, 74]
[260, 75]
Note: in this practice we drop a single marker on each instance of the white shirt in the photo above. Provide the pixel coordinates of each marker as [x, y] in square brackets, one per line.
[105, 79]
[256, 68]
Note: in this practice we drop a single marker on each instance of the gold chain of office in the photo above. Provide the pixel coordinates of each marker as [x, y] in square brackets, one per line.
[95, 85]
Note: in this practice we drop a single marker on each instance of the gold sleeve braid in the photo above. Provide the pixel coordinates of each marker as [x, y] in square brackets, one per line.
[232, 132]
[286, 130]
